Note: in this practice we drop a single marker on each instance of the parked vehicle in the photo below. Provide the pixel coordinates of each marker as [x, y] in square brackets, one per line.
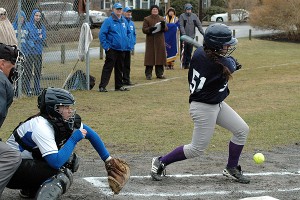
[61, 14]
[237, 15]
[97, 18]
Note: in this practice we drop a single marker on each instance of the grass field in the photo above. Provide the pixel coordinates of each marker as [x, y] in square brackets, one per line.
[154, 115]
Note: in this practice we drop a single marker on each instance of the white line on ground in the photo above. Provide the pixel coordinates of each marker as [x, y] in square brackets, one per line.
[101, 183]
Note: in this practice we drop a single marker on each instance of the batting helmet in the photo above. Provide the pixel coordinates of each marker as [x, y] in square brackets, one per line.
[218, 35]
[51, 97]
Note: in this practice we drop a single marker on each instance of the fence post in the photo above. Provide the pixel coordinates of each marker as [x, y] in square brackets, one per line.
[233, 33]
[250, 34]
[63, 54]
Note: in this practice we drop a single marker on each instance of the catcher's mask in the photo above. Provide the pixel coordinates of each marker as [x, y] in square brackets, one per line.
[50, 100]
[217, 36]
[12, 54]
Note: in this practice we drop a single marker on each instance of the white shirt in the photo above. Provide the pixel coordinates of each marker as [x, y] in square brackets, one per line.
[37, 133]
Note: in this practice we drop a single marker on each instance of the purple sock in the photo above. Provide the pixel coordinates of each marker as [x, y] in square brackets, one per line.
[174, 156]
[234, 154]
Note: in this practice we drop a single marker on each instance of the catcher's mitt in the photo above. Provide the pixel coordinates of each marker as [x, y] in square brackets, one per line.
[118, 173]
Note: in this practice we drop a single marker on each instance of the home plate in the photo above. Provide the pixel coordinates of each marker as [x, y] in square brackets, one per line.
[260, 198]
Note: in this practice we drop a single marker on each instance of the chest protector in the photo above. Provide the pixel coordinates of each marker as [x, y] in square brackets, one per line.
[62, 133]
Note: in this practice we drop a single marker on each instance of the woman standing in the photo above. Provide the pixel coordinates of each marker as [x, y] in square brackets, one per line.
[155, 53]
[171, 37]
[36, 41]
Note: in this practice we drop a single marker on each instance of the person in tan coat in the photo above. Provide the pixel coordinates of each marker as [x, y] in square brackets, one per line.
[155, 53]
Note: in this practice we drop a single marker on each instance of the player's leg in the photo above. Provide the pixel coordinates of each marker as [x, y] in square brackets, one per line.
[55, 186]
[30, 175]
[204, 117]
[10, 160]
[230, 120]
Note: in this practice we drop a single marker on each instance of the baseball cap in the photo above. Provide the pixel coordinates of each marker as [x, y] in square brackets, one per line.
[127, 9]
[117, 6]
[9, 53]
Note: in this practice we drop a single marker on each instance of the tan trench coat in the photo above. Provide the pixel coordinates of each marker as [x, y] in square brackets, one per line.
[155, 53]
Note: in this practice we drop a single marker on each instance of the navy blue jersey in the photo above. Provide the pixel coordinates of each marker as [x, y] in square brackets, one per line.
[206, 80]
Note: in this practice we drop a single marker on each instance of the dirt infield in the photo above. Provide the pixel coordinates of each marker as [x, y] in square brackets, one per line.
[192, 179]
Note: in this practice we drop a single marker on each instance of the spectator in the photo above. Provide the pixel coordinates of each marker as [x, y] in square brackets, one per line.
[10, 159]
[188, 22]
[155, 53]
[24, 31]
[36, 41]
[132, 41]
[7, 33]
[171, 37]
[46, 142]
[114, 36]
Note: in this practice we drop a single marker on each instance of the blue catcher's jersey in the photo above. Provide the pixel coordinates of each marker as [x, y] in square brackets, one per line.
[206, 81]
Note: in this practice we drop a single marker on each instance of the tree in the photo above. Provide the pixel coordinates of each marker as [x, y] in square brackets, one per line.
[179, 5]
[278, 15]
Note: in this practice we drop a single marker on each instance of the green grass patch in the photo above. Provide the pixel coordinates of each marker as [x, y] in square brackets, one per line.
[154, 116]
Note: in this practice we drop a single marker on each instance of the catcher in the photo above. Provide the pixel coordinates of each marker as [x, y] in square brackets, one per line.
[46, 142]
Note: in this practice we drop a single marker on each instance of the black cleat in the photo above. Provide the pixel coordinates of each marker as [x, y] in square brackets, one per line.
[236, 173]
[157, 169]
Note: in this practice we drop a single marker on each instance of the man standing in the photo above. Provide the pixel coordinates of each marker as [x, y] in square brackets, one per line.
[9, 158]
[114, 36]
[132, 41]
[188, 22]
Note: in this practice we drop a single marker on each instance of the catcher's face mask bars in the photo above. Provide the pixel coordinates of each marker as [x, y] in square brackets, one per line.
[17, 72]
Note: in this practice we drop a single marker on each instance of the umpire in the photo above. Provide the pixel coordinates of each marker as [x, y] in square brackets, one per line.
[9, 158]
[113, 35]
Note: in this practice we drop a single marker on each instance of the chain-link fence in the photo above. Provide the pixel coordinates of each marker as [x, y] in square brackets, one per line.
[48, 35]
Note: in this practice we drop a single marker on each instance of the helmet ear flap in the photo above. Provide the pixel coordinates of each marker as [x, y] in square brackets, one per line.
[41, 101]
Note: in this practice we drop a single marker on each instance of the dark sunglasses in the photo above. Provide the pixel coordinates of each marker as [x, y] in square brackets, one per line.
[2, 14]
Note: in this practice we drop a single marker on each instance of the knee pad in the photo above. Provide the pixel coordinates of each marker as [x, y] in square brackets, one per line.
[55, 186]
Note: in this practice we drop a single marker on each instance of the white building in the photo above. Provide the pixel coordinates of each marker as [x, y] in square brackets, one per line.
[141, 4]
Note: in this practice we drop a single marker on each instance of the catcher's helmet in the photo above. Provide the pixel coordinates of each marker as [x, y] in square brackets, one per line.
[218, 35]
[50, 98]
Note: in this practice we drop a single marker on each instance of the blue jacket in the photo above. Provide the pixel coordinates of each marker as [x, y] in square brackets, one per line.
[206, 80]
[132, 34]
[114, 33]
[36, 30]
[24, 33]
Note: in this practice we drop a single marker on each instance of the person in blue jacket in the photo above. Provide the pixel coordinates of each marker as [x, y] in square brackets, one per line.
[46, 142]
[132, 41]
[113, 37]
[23, 40]
[36, 40]
[24, 31]
[210, 70]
